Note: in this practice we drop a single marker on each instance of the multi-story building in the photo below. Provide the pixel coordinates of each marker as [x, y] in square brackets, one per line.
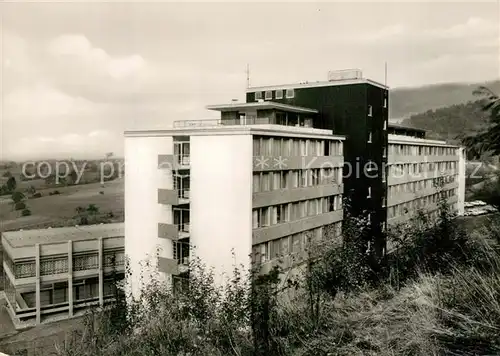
[356, 107]
[271, 173]
[260, 179]
[59, 272]
[420, 174]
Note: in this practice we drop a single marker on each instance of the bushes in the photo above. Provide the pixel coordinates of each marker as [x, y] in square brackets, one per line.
[20, 206]
[437, 293]
[26, 212]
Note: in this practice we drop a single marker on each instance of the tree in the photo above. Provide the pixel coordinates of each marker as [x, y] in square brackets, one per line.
[11, 184]
[486, 140]
[20, 206]
[7, 174]
[17, 197]
[31, 190]
[74, 177]
[93, 210]
[490, 192]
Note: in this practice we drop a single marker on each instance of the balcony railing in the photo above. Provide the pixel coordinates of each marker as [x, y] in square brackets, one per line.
[182, 160]
[235, 122]
[183, 193]
[184, 227]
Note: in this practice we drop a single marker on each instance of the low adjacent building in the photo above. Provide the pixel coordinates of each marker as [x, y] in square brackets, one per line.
[57, 273]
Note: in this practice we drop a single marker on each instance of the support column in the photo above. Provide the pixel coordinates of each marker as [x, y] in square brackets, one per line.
[37, 283]
[101, 274]
[70, 277]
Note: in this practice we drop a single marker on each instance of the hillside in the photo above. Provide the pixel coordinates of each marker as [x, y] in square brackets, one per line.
[449, 122]
[405, 102]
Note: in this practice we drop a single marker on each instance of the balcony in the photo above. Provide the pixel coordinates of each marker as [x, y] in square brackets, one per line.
[173, 231]
[183, 264]
[173, 266]
[174, 162]
[173, 196]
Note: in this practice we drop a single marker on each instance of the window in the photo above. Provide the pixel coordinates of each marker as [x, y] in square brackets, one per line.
[290, 93]
[285, 245]
[279, 94]
[303, 178]
[370, 110]
[385, 125]
[269, 95]
[258, 95]
[284, 179]
[265, 216]
[255, 218]
[295, 179]
[256, 183]
[283, 213]
[277, 180]
[385, 102]
[295, 243]
[331, 204]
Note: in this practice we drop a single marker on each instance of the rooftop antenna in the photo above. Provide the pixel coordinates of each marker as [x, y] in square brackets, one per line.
[385, 75]
[248, 76]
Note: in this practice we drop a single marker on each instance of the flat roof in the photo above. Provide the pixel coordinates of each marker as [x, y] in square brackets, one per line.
[318, 84]
[213, 127]
[403, 127]
[401, 139]
[261, 105]
[24, 238]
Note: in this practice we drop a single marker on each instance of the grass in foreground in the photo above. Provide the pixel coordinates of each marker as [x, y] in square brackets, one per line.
[446, 308]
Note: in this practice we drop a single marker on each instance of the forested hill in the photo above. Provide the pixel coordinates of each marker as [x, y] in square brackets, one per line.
[449, 122]
[405, 102]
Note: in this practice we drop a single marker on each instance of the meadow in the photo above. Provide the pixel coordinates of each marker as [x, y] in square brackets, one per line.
[59, 210]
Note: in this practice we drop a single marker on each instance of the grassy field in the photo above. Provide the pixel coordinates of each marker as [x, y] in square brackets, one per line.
[55, 210]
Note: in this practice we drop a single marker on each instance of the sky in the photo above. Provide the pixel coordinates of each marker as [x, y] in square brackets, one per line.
[75, 75]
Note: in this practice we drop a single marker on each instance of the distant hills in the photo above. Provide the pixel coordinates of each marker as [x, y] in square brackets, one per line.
[449, 122]
[405, 102]
[444, 110]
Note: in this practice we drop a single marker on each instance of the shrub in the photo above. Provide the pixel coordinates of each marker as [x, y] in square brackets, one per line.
[37, 195]
[20, 206]
[445, 301]
[26, 212]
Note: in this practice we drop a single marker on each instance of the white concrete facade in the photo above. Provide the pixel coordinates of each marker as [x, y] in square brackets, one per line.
[221, 202]
[142, 210]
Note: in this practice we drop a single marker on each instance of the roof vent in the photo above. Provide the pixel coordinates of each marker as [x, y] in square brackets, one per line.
[345, 74]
